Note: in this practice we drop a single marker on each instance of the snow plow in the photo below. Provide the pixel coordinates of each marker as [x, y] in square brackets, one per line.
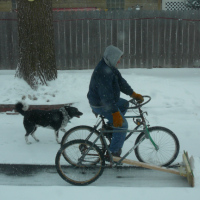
[155, 148]
[184, 169]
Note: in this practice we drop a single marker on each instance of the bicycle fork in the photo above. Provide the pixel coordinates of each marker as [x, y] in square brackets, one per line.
[146, 131]
[148, 136]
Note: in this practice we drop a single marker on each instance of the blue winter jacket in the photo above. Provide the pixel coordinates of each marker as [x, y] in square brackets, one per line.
[107, 82]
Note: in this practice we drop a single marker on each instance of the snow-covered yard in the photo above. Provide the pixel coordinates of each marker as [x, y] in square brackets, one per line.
[175, 104]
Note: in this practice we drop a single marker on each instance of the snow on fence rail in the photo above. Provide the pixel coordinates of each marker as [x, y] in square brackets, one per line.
[148, 38]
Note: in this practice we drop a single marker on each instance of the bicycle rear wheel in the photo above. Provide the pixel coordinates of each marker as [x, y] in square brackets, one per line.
[167, 142]
[81, 155]
[82, 132]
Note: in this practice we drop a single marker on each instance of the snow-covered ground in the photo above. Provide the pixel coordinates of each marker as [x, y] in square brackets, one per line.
[175, 104]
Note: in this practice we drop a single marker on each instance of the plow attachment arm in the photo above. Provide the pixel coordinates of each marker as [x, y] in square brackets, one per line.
[184, 170]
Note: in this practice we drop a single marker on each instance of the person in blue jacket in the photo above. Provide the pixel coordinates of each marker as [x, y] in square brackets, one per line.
[104, 95]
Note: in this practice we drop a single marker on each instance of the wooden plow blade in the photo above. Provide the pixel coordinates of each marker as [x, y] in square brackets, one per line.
[184, 170]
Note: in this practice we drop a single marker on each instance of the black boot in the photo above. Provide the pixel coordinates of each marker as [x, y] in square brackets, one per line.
[117, 154]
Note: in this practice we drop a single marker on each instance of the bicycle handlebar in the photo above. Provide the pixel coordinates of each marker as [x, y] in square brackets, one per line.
[137, 104]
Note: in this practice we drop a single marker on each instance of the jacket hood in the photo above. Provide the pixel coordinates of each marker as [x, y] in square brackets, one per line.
[111, 55]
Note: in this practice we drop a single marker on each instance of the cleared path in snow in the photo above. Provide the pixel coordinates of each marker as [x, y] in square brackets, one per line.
[126, 176]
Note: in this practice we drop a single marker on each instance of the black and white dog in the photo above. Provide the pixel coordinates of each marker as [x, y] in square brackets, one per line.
[54, 119]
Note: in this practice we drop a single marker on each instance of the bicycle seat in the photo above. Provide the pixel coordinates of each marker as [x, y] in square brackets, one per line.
[96, 115]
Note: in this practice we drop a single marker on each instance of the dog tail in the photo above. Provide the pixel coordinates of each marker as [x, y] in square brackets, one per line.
[21, 108]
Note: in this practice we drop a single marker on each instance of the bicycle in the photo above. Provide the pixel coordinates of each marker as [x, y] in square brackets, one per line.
[83, 147]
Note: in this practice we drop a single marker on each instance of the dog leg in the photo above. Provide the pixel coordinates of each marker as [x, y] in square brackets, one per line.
[26, 139]
[33, 135]
[56, 135]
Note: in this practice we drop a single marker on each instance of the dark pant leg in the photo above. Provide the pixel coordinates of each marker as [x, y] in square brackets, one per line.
[118, 137]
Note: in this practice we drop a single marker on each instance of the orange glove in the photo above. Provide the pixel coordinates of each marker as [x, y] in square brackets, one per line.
[137, 97]
[117, 119]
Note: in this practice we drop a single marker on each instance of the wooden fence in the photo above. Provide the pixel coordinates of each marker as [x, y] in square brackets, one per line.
[148, 38]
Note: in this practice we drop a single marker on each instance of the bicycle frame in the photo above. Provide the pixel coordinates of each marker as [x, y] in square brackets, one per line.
[93, 152]
[139, 124]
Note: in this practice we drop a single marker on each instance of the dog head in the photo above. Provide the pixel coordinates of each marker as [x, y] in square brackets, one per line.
[73, 112]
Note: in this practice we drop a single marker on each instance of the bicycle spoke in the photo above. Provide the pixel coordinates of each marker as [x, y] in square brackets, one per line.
[82, 170]
[168, 147]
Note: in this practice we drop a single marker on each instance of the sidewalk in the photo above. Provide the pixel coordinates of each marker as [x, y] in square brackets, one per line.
[46, 175]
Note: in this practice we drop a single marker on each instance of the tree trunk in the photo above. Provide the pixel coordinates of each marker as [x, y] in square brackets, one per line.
[37, 63]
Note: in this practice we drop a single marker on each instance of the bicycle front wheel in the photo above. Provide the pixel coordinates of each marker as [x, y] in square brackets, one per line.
[168, 147]
[81, 155]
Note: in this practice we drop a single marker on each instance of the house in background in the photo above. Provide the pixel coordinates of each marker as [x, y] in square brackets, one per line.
[9, 5]
[110, 4]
